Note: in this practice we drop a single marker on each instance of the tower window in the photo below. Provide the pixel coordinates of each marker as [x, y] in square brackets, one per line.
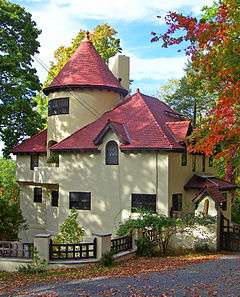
[58, 106]
[111, 153]
[37, 195]
[34, 161]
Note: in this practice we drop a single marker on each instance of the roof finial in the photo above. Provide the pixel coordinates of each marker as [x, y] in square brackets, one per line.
[138, 90]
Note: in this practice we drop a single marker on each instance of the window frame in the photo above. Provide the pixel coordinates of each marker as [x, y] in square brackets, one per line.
[136, 196]
[55, 108]
[37, 197]
[184, 159]
[54, 200]
[73, 204]
[108, 160]
[181, 203]
[34, 163]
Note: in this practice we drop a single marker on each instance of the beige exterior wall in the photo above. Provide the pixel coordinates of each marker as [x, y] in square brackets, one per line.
[84, 107]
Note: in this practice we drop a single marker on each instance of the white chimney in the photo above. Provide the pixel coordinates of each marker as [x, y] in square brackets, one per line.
[120, 67]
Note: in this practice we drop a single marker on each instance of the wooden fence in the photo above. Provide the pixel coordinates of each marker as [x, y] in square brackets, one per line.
[229, 235]
[73, 251]
[15, 249]
[121, 244]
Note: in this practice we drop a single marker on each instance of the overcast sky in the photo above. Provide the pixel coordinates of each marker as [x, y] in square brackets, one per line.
[151, 65]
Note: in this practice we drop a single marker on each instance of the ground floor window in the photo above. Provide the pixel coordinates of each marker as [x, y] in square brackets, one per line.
[54, 196]
[37, 197]
[144, 201]
[80, 200]
[177, 202]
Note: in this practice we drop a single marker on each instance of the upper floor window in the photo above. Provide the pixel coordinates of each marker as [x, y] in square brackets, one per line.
[54, 196]
[194, 161]
[203, 163]
[184, 159]
[177, 202]
[144, 201]
[210, 161]
[58, 106]
[111, 153]
[34, 161]
[80, 200]
[37, 195]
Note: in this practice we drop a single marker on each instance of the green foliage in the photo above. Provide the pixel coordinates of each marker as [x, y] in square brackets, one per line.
[144, 247]
[70, 231]
[37, 266]
[107, 259]
[18, 79]
[202, 247]
[163, 227]
[236, 208]
[11, 220]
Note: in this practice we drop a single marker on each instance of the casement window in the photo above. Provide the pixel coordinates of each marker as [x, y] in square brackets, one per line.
[177, 202]
[184, 159]
[203, 163]
[144, 201]
[194, 161]
[58, 106]
[111, 157]
[34, 161]
[37, 195]
[210, 161]
[80, 200]
[54, 198]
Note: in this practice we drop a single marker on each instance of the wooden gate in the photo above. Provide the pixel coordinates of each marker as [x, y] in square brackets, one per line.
[229, 235]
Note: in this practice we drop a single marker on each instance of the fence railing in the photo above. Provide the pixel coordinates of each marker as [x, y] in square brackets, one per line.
[121, 244]
[15, 249]
[229, 235]
[73, 251]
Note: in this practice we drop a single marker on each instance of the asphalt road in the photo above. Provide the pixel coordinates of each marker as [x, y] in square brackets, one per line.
[214, 278]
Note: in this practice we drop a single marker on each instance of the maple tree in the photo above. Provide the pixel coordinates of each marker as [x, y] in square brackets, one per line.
[214, 50]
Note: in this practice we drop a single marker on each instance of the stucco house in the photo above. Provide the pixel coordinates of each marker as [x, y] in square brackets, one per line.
[107, 152]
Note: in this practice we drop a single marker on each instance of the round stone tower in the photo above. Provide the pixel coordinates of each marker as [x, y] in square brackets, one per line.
[82, 91]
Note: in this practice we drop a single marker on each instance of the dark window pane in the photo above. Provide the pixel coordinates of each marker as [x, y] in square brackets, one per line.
[177, 202]
[144, 201]
[194, 163]
[34, 161]
[55, 195]
[203, 163]
[112, 153]
[58, 106]
[37, 195]
[184, 159]
[80, 200]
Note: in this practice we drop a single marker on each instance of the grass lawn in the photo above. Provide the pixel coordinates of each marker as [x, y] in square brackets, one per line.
[136, 265]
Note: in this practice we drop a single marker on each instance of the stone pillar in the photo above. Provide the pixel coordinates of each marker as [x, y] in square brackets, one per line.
[41, 244]
[103, 244]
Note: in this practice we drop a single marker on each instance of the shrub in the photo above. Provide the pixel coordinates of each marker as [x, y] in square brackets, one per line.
[202, 247]
[107, 259]
[37, 266]
[144, 247]
[70, 231]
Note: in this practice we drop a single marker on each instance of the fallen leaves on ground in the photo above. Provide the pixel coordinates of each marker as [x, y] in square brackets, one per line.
[136, 265]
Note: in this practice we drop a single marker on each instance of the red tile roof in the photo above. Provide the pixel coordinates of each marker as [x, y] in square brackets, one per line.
[36, 144]
[86, 69]
[180, 129]
[213, 192]
[146, 119]
[207, 182]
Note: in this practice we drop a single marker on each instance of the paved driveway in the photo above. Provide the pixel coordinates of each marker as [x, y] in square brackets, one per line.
[214, 278]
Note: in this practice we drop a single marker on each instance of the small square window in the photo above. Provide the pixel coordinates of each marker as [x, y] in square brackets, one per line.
[144, 201]
[54, 196]
[34, 161]
[177, 202]
[184, 159]
[37, 195]
[194, 161]
[58, 106]
[80, 200]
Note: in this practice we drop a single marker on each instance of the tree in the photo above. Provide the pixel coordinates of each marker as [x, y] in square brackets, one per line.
[188, 96]
[70, 230]
[11, 219]
[18, 79]
[213, 46]
[106, 44]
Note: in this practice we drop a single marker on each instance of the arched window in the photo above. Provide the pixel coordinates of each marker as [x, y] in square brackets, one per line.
[111, 153]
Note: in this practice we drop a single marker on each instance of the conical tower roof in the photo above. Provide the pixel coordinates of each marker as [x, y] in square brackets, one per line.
[86, 69]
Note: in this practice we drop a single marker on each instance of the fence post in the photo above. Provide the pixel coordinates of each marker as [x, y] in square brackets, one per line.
[41, 244]
[134, 239]
[103, 244]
